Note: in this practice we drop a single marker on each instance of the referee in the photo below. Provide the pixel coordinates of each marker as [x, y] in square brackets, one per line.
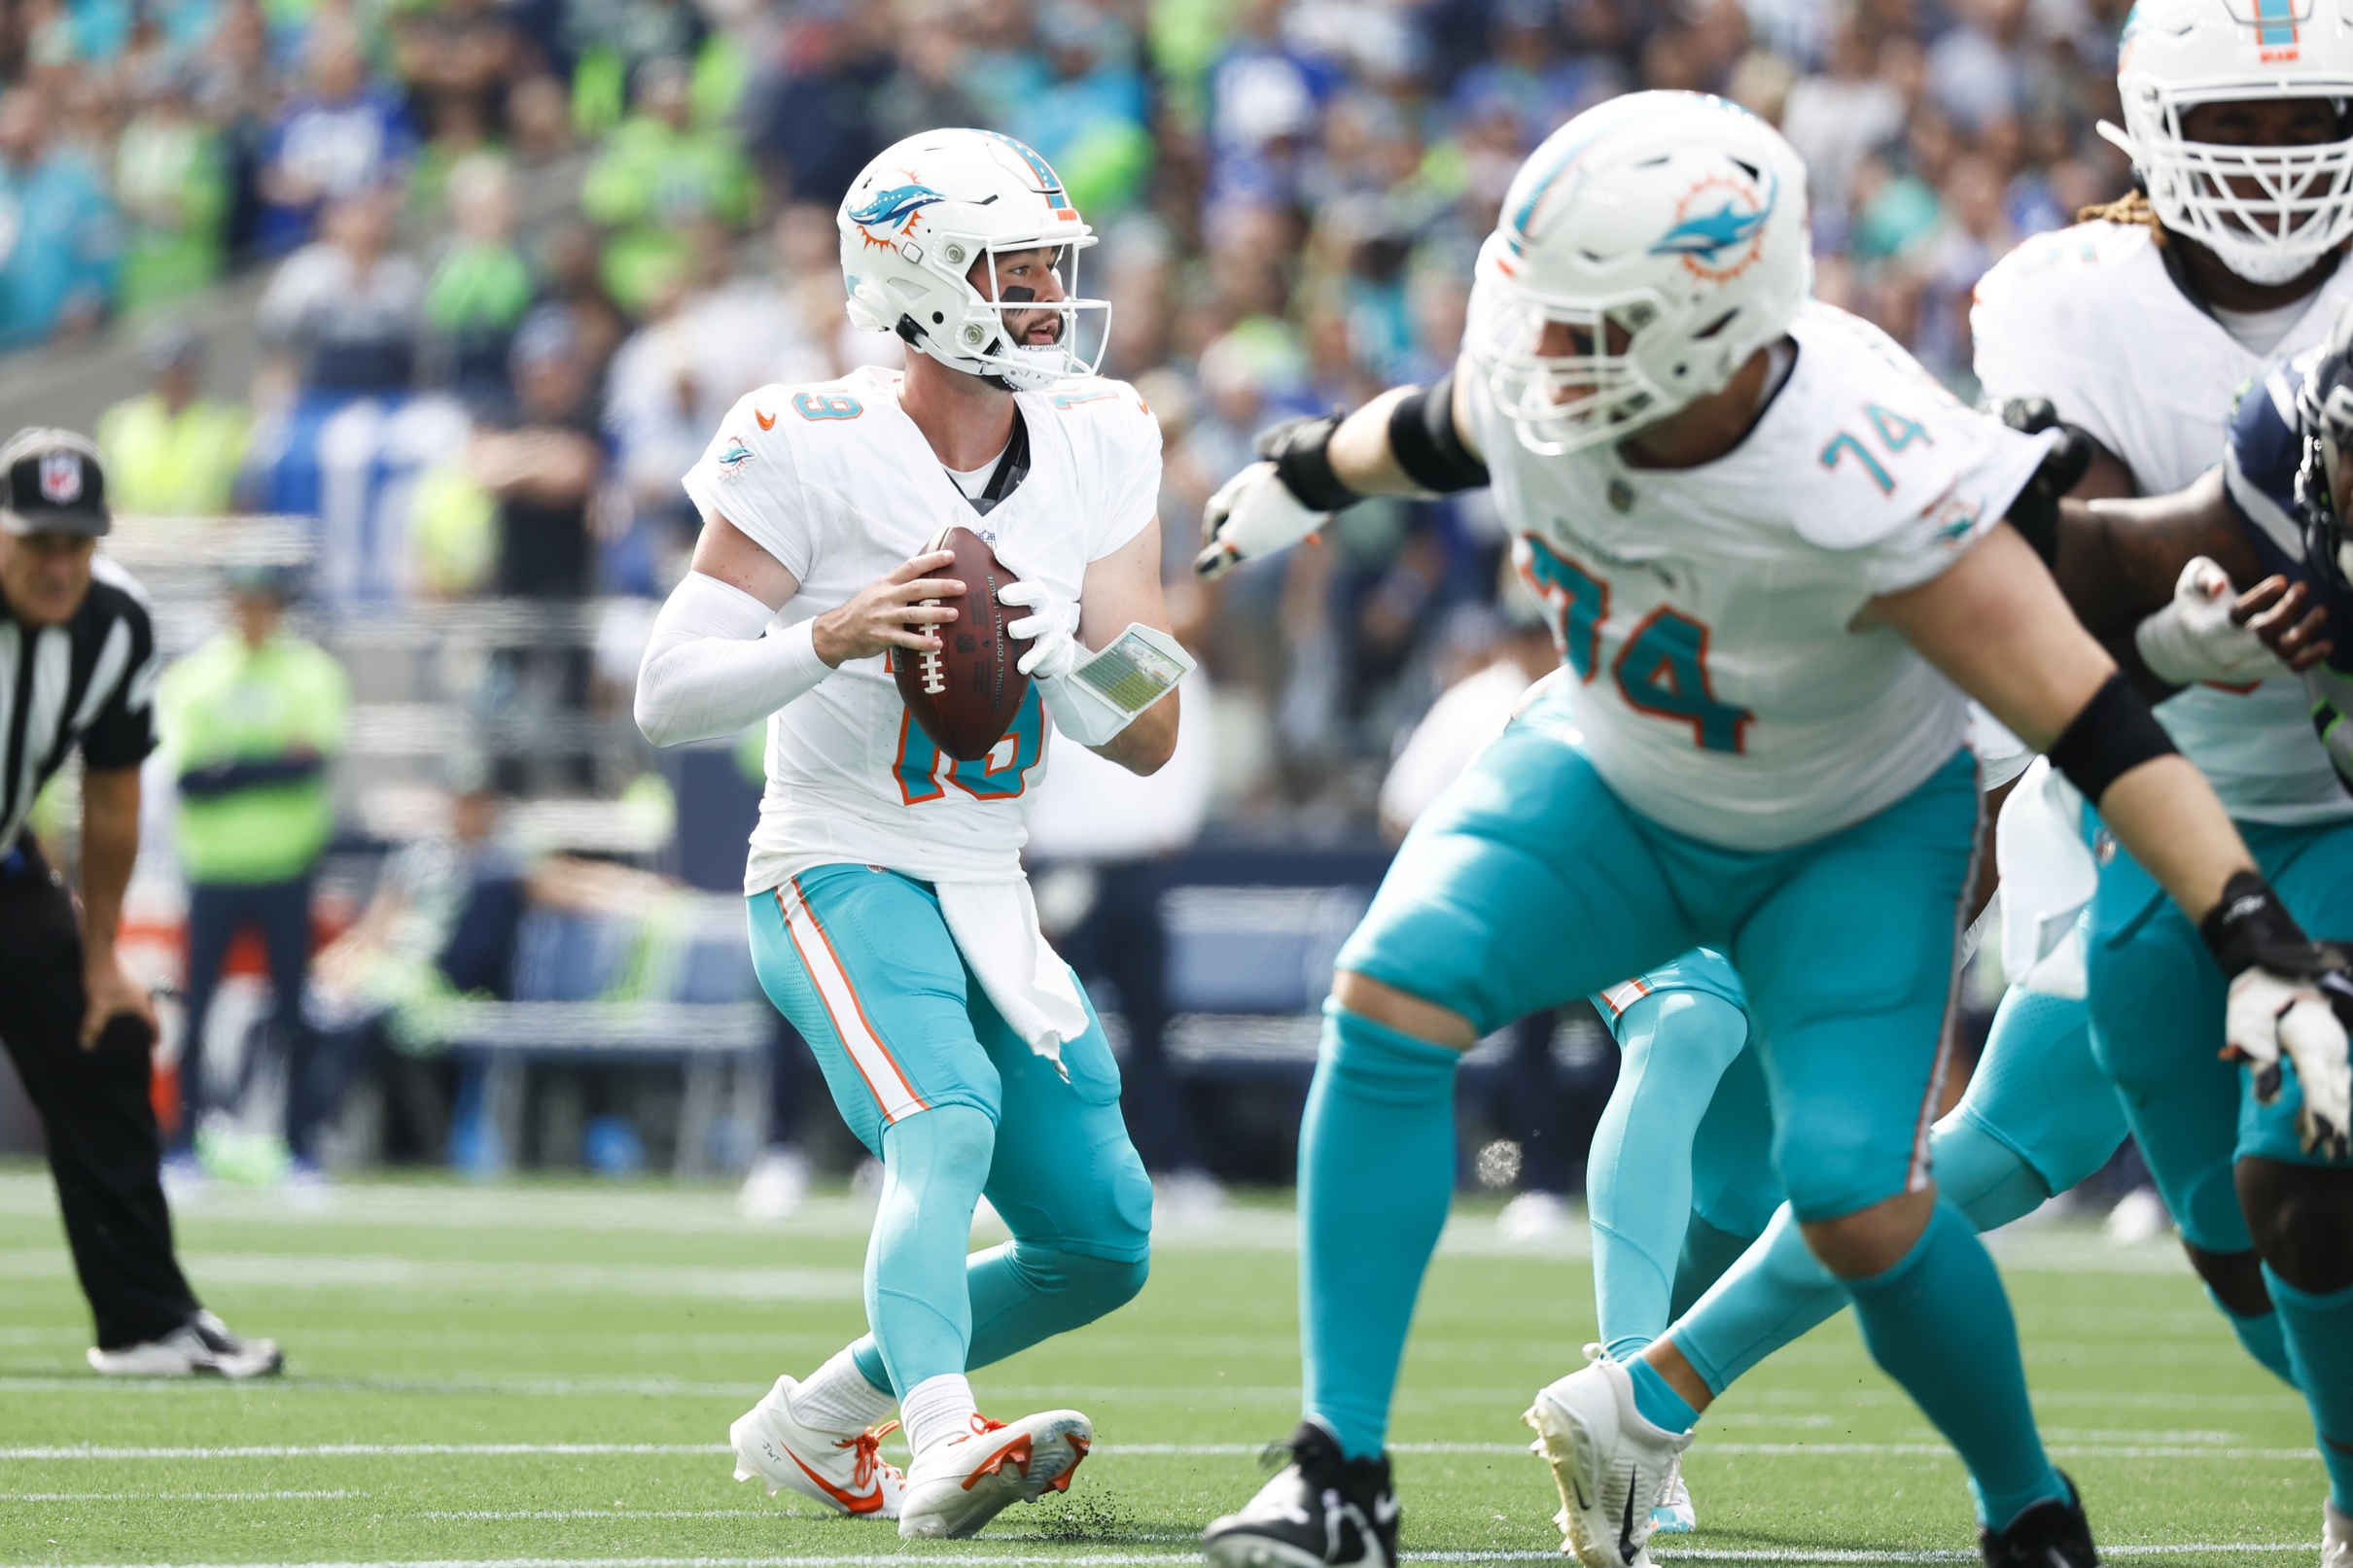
[78, 668]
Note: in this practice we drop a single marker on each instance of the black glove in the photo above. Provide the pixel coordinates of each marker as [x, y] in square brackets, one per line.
[2035, 511]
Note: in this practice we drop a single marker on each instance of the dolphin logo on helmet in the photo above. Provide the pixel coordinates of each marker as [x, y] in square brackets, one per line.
[1709, 235]
[888, 207]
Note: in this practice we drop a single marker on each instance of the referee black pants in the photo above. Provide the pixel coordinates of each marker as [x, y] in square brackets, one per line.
[95, 1111]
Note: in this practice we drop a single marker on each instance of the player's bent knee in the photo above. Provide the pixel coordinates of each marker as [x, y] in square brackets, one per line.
[1402, 1011]
[2236, 1278]
[2302, 1219]
[1871, 1240]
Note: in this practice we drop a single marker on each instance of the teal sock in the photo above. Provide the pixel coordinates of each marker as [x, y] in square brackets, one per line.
[1939, 1323]
[1023, 1293]
[1774, 1293]
[917, 1301]
[2319, 1334]
[2261, 1337]
[1709, 1253]
[1777, 1291]
[1637, 1178]
[1376, 1173]
[1656, 1398]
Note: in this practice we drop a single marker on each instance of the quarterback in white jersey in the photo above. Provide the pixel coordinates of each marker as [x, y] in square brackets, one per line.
[1662, 413]
[890, 917]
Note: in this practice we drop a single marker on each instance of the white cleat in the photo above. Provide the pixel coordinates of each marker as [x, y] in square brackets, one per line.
[203, 1344]
[956, 1486]
[2335, 1537]
[1674, 1514]
[845, 1473]
[1611, 1466]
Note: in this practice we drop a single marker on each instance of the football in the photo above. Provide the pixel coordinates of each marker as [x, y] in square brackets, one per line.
[964, 695]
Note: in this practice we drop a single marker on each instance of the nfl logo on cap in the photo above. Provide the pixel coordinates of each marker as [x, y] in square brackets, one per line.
[61, 477]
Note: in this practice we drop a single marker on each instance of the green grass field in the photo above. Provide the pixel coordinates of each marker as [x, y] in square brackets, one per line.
[543, 1374]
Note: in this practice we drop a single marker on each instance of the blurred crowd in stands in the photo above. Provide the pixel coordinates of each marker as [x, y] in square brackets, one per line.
[1289, 194]
[511, 259]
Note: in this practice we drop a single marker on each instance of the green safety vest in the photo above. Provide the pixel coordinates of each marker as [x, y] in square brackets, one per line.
[229, 703]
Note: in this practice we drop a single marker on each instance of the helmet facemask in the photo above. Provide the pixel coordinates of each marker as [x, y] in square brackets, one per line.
[2269, 213]
[1565, 402]
[985, 343]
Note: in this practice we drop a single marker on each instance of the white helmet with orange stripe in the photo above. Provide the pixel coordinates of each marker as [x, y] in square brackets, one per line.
[1646, 250]
[2269, 213]
[922, 230]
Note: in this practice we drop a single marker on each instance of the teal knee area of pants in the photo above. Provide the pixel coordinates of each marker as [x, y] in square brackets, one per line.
[1707, 1254]
[1023, 1294]
[1985, 1177]
[1376, 1175]
[1775, 1292]
[1939, 1323]
[2261, 1337]
[2039, 1088]
[917, 1301]
[2319, 1333]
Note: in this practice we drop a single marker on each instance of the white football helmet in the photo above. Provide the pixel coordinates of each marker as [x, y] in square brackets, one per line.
[930, 210]
[1668, 233]
[2269, 213]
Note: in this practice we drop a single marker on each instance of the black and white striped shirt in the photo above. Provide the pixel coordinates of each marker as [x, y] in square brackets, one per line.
[91, 682]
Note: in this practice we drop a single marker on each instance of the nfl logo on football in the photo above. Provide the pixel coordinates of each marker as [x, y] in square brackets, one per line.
[61, 477]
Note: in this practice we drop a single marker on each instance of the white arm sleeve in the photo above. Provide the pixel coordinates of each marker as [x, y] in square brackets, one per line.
[712, 666]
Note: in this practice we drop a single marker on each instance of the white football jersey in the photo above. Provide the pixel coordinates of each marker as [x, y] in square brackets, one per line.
[1707, 613]
[836, 482]
[2088, 318]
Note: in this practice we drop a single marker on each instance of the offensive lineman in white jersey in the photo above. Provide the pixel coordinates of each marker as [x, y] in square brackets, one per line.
[890, 917]
[2135, 327]
[1783, 550]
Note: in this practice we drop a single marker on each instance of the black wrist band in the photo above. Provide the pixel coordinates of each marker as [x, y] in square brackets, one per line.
[2251, 927]
[1427, 447]
[2113, 734]
[1301, 452]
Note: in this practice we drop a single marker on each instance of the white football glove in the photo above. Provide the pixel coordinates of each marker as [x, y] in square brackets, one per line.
[2272, 1017]
[2194, 638]
[1050, 628]
[1252, 514]
[2288, 1000]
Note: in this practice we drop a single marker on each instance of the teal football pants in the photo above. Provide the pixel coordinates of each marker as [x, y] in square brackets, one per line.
[862, 962]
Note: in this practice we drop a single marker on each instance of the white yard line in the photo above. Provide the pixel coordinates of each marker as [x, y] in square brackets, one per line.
[1138, 1559]
[1148, 1450]
[167, 1498]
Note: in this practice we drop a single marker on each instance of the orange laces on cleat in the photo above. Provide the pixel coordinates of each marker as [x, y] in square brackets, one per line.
[868, 1447]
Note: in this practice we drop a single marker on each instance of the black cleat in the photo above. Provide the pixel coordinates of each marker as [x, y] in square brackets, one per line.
[2048, 1534]
[1321, 1510]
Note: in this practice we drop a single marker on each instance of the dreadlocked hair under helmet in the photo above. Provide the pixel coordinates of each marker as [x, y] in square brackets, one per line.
[2132, 207]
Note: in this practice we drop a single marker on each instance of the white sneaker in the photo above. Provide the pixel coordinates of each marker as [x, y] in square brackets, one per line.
[1611, 1466]
[203, 1344]
[775, 1185]
[2335, 1537]
[1536, 1216]
[845, 1473]
[957, 1486]
[1674, 1514]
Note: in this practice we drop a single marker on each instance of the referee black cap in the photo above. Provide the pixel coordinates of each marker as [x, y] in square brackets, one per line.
[53, 482]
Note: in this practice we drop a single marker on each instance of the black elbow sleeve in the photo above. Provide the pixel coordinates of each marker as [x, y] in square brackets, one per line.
[1427, 447]
[2113, 734]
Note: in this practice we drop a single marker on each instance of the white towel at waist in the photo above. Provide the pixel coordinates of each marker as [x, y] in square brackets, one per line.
[2047, 875]
[996, 926]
